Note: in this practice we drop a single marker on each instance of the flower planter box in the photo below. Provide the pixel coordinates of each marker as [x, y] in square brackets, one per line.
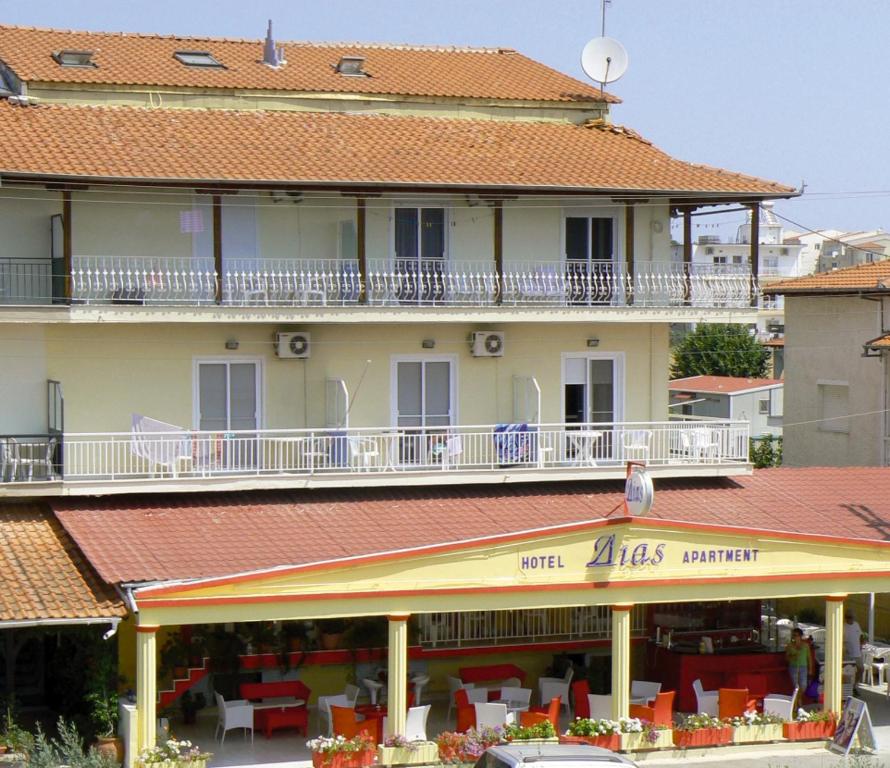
[201, 763]
[751, 734]
[343, 759]
[548, 740]
[637, 742]
[812, 731]
[420, 753]
[703, 737]
[613, 741]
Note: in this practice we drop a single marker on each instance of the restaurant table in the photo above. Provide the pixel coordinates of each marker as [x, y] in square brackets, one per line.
[375, 714]
[283, 712]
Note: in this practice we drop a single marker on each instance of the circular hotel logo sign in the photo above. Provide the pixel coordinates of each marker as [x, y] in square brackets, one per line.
[638, 493]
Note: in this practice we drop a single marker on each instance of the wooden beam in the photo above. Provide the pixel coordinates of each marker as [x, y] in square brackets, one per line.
[687, 248]
[217, 245]
[360, 249]
[755, 249]
[499, 245]
[67, 223]
[629, 245]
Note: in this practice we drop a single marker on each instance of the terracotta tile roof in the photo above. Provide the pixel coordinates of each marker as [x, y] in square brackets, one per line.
[774, 343]
[45, 575]
[720, 385]
[189, 536]
[873, 277]
[881, 342]
[147, 60]
[296, 147]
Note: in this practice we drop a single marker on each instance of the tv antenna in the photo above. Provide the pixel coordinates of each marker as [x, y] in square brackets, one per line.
[604, 59]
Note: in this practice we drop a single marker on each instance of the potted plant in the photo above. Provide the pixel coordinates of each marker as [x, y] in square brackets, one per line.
[600, 733]
[398, 750]
[330, 633]
[15, 739]
[173, 754]
[174, 657]
[340, 752]
[638, 735]
[810, 726]
[260, 637]
[466, 747]
[701, 731]
[538, 733]
[103, 715]
[753, 727]
[190, 704]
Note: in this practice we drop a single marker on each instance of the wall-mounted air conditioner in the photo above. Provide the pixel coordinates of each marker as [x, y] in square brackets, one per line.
[487, 344]
[292, 345]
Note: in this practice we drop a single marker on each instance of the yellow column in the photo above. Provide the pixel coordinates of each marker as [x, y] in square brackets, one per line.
[834, 651]
[397, 676]
[146, 685]
[620, 660]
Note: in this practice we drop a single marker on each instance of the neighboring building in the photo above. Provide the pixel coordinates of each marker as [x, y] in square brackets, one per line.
[836, 370]
[756, 401]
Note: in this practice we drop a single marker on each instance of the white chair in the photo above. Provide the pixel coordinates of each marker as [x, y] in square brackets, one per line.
[454, 685]
[477, 695]
[642, 691]
[600, 706]
[550, 687]
[492, 715]
[351, 693]
[779, 704]
[231, 715]
[635, 444]
[870, 666]
[419, 681]
[516, 699]
[415, 723]
[707, 702]
[324, 708]
[511, 682]
[364, 453]
[447, 450]
[374, 687]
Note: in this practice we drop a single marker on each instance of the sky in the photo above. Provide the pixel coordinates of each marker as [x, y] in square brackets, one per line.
[790, 90]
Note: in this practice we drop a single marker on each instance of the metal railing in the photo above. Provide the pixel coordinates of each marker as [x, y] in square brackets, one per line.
[368, 451]
[474, 628]
[26, 458]
[388, 282]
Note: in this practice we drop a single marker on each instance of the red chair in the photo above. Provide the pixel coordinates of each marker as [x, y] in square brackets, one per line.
[580, 689]
[734, 702]
[662, 713]
[345, 723]
[537, 715]
[466, 712]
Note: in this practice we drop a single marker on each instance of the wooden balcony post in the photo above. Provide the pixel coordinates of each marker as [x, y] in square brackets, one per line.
[360, 251]
[629, 249]
[687, 250]
[66, 241]
[755, 251]
[217, 245]
[499, 247]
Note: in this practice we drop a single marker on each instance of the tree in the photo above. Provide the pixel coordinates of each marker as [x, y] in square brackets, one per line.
[719, 350]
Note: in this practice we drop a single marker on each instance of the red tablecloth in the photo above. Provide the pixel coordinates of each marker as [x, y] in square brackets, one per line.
[487, 672]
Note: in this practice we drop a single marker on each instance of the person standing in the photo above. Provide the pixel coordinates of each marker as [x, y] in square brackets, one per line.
[853, 643]
[797, 653]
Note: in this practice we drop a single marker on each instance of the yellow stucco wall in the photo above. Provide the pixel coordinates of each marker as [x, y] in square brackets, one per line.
[149, 369]
[25, 213]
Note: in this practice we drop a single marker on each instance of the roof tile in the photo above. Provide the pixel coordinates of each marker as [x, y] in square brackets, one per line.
[865, 277]
[720, 385]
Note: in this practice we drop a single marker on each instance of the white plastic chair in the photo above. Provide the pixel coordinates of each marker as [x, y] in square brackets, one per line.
[492, 715]
[707, 701]
[600, 706]
[419, 681]
[477, 695]
[324, 707]
[550, 687]
[374, 687]
[351, 693]
[363, 452]
[870, 666]
[454, 685]
[516, 698]
[232, 715]
[779, 704]
[635, 444]
[415, 723]
[644, 690]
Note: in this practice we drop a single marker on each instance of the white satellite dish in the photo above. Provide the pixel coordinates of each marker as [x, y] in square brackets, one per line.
[604, 60]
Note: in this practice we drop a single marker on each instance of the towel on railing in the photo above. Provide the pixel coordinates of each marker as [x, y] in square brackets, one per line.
[512, 443]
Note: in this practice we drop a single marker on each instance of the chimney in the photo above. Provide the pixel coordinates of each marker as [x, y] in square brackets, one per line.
[272, 56]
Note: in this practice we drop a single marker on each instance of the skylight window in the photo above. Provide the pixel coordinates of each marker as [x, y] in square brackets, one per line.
[351, 65]
[197, 59]
[74, 58]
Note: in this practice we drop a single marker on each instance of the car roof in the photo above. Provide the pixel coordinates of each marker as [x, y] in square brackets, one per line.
[527, 754]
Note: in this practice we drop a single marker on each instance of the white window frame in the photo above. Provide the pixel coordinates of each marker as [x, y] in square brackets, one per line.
[394, 382]
[617, 216]
[835, 425]
[260, 385]
[418, 206]
[618, 367]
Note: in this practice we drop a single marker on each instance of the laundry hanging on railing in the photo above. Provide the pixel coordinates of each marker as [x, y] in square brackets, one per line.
[512, 443]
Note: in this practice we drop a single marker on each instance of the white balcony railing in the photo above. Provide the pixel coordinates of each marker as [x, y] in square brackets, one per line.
[367, 451]
[387, 282]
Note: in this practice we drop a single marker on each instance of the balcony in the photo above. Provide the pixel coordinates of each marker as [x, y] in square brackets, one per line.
[194, 282]
[186, 459]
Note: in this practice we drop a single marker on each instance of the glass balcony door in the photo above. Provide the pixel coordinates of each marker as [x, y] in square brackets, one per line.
[590, 253]
[424, 404]
[420, 253]
[228, 406]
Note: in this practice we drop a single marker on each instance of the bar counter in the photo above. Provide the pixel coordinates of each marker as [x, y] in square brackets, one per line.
[746, 665]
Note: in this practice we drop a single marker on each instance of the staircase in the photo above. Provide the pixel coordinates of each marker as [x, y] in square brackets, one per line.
[181, 684]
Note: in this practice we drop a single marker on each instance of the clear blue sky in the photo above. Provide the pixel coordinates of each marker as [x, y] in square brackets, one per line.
[792, 90]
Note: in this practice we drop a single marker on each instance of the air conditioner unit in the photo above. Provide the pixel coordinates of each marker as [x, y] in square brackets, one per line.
[487, 344]
[292, 345]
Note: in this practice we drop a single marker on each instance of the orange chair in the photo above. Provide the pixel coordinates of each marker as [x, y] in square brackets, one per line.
[466, 712]
[346, 723]
[580, 689]
[734, 702]
[660, 714]
[539, 715]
